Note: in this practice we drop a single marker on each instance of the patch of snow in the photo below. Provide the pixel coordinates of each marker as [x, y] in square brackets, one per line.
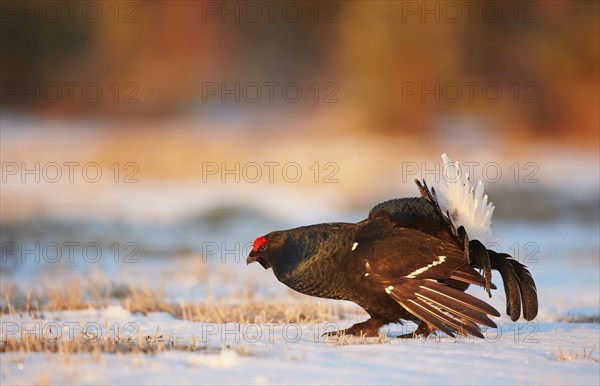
[516, 353]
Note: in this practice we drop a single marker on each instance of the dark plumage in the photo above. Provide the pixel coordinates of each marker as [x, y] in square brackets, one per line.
[406, 261]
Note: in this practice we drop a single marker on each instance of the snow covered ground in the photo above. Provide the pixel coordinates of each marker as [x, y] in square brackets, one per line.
[516, 353]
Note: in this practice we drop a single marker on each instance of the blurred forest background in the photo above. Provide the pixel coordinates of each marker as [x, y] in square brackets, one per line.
[543, 55]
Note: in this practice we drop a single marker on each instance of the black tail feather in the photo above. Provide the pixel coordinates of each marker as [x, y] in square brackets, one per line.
[511, 287]
[519, 286]
[528, 289]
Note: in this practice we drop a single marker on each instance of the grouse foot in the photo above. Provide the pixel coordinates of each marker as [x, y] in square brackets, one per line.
[368, 328]
[422, 330]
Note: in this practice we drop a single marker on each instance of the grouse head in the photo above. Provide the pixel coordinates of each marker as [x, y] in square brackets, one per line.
[276, 250]
[290, 252]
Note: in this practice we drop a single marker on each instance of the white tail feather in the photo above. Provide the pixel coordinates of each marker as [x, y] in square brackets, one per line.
[467, 206]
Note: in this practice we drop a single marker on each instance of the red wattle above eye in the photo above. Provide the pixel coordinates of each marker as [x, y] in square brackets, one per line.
[258, 243]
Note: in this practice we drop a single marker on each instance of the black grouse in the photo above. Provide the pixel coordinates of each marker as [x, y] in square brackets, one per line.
[406, 261]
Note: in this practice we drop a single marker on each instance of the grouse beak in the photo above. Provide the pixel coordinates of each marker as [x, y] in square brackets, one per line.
[251, 259]
[255, 257]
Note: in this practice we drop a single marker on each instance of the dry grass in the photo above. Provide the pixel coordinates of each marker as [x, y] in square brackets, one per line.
[95, 345]
[69, 296]
[571, 355]
[75, 296]
[253, 312]
[248, 311]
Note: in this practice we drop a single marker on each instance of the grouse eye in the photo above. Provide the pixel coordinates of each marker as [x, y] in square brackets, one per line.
[262, 247]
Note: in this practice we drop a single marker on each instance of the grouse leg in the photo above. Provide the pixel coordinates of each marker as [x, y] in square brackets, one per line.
[367, 328]
[423, 329]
